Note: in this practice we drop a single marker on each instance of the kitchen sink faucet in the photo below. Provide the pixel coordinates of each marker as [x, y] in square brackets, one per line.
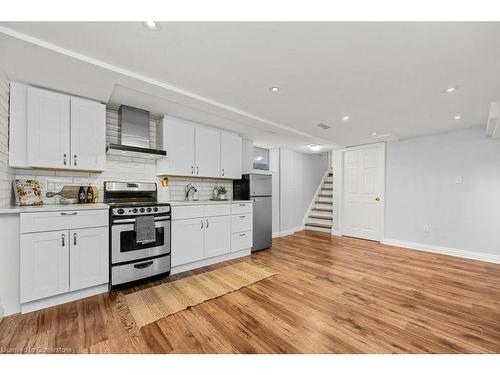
[188, 189]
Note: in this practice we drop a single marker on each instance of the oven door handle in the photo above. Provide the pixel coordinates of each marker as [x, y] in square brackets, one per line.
[129, 221]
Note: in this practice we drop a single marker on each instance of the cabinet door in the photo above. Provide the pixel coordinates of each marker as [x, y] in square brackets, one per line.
[178, 140]
[230, 155]
[207, 151]
[187, 241]
[88, 134]
[48, 129]
[44, 265]
[217, 235]
[88, 257]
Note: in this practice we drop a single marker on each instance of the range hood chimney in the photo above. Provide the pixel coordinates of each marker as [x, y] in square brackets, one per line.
[134, 125]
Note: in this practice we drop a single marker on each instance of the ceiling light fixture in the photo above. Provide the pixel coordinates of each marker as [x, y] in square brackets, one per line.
[315, 147]
[451, 89]
[275, 89]
[345, 118]
[152, 25]
[374, 133]
[458, 117]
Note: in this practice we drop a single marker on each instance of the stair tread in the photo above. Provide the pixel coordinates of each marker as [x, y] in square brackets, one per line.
[322, 209]
[325, 195]
[319, 225]
[320, 217]
[329, 189]
[323, 202]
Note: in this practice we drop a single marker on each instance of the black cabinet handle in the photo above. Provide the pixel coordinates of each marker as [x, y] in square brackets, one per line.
[63, 242]
[143, 265]
[69, 213]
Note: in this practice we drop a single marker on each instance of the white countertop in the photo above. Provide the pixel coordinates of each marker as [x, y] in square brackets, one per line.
[52, 207]
[98, 206]
[190, 203]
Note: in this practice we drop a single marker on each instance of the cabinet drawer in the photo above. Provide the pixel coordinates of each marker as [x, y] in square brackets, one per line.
[241, 241]
[241, 208]
[217, 210]
[59, 220]
[139, 270]
[186, 212]
[241, 223]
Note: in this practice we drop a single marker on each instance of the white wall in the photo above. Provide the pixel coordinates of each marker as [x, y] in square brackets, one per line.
[300, 176]
[421, 189]
[6, 173]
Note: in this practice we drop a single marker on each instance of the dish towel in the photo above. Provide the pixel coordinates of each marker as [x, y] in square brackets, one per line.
[145, 230]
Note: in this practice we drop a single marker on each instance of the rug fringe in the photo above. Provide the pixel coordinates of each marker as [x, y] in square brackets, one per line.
[126, 317]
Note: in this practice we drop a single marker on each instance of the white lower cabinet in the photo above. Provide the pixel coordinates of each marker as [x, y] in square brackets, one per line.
[187, 241]
[217, 235]
[44, 265]
[89, 257]
[207, 236]
[56, 262]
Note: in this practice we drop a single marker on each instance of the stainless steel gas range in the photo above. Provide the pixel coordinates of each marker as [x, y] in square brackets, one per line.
[133, 261]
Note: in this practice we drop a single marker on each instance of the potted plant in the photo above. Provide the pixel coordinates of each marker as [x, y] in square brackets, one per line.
[221, 191]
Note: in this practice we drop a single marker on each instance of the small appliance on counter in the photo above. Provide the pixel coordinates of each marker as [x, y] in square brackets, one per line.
[139, 237]
[258, 188]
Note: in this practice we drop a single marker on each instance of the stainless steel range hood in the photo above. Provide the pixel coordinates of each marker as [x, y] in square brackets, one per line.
[134, 125]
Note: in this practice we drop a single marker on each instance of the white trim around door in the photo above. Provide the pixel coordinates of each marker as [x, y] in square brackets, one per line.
[340, 229]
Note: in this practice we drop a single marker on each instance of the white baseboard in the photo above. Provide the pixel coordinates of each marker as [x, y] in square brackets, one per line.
[209, 261]
[288, 231]
[485, 257]
[63, 298]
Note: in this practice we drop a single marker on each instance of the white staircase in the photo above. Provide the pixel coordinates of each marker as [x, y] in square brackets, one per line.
[320, 217]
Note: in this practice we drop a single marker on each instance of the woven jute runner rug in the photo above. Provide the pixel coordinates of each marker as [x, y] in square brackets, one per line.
[149, 305]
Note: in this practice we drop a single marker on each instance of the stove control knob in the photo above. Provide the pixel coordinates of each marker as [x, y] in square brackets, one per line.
[142, 209]
[148, 209]
[134, 210]
[155, 209]
[121, 211]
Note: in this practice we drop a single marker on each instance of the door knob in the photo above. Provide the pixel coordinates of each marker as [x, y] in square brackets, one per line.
[377, 199]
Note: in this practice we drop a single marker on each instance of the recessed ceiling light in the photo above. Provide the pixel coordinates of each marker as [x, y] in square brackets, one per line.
[449, 90]
[345, 118]
[315, 147]
[458, 117]
[275, 89]
[374, 133]
[152, 25]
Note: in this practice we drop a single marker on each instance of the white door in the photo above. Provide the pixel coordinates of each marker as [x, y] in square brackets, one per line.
[88, 135]
[217, 235]
[363, 192]
[48, 129]
[178, 140]
[44, 265]
[207, 151]
[89, 257]
[187, 241]
[230, 155]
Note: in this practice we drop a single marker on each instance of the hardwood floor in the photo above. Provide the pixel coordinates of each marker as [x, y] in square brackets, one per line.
[333, 295]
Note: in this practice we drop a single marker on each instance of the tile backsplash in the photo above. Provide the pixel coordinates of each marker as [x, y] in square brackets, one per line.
[204, 186]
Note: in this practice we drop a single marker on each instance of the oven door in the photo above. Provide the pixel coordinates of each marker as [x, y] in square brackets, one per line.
[125, 248]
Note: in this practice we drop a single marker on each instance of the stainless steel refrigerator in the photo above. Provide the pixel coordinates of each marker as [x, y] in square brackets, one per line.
[258, 188]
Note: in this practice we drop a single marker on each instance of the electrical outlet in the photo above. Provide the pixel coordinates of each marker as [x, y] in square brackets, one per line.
[426, 228]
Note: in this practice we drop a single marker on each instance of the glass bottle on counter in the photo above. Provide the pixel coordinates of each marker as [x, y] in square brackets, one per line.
[90, 194]
[82, 195]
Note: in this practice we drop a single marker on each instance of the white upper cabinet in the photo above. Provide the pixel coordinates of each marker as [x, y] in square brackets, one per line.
[198, 150]
[177, 137]
[230, 155]
[48, 131]
[207, 151]
[53, 130]
[88, 134]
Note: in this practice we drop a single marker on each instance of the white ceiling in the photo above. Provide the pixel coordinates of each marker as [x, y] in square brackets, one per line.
[388, 77]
